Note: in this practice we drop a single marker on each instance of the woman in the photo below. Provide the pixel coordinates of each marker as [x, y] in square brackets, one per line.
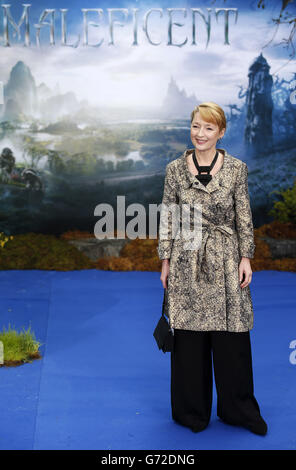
[209, 302]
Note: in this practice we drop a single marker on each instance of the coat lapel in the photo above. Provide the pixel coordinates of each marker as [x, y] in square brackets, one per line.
[189, 180]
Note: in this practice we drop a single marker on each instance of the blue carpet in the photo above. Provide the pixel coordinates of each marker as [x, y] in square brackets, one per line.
[102, 382]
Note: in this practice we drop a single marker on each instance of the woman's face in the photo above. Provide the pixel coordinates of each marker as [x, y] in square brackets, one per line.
[204, 135]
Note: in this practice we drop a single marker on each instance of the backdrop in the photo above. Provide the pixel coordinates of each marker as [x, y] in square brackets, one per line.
[96, 99]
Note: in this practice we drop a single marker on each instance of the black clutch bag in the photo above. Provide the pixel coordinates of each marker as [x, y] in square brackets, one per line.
[163, 333]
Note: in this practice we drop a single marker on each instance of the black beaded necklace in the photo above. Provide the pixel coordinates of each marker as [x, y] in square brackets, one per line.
[204, 178]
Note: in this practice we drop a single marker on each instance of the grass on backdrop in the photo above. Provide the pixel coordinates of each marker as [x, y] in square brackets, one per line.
[18, 347]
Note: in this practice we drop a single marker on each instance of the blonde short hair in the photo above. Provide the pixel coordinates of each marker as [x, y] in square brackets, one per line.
[211, 112]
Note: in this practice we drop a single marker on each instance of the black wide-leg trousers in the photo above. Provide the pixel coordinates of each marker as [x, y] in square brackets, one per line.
[192, 377]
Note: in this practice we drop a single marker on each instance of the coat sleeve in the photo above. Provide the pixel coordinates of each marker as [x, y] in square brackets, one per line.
[243, 214]
[166, 227]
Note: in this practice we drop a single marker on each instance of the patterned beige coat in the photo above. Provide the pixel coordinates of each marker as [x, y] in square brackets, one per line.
[204, 291]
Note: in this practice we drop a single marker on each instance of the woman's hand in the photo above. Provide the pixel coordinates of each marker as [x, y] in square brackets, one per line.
[165, 272]
[245, 269]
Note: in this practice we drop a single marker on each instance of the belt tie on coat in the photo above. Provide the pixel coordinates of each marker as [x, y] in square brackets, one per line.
[207, 258]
